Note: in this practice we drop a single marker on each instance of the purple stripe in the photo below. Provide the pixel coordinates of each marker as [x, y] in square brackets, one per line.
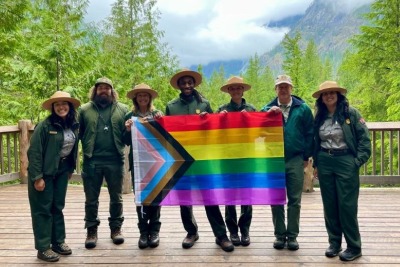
[239, 196]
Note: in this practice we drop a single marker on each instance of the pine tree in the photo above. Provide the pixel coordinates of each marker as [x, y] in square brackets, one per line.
[376, 61]
[133, 50]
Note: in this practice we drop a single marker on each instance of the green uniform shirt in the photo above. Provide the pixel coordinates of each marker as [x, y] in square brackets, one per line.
[187, 106]
[232, 107]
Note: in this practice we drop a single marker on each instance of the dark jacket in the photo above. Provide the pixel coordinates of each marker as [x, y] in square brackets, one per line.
[298, 130]
[232, 107]
[356, 136]
[44, 151]
[88, 118]
[180, 106]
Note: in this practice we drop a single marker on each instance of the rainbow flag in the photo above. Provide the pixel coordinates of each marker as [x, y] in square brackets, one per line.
[232, 158]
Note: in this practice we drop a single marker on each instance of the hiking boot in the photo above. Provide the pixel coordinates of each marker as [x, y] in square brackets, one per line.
[332, 251]
[62, 249]
[154, 240]
[91, 237]
[245, 240]
[235, 239]
[117, 236]
[279, 242]
[292, 243]
[189, 240]
[225, 244]
[350, 254]
[48, 255]
[143, 241]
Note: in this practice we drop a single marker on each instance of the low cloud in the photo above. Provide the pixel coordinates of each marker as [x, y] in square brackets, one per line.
[200, 32]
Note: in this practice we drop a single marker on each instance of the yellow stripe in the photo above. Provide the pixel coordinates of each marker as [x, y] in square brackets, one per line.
[228, 136]
[239, 150]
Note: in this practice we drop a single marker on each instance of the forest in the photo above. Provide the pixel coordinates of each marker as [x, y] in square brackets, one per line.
[45, 45]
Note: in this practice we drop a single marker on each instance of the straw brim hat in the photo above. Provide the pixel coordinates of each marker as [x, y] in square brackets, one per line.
[196, 76]
[142, 88]
[60, 96]
[328, 86]
[235, 81]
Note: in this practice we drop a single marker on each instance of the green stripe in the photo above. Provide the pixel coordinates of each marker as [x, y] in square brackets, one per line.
[253, 165]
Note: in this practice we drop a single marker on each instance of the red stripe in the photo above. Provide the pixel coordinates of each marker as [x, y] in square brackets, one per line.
[221, 121]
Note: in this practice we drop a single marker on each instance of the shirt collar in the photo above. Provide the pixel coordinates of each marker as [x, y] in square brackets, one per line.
[287, 105]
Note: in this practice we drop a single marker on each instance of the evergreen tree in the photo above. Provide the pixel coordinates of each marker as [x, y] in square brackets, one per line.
[311, 67]
[376, 61]
[133, 50]
[262, 83]
[54, 55]
[211, 88]
[292, 64]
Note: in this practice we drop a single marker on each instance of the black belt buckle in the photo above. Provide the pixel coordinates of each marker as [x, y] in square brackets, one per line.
[336, 152]
[63, 159]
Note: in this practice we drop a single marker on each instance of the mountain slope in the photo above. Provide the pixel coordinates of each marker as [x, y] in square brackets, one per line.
[328, 23]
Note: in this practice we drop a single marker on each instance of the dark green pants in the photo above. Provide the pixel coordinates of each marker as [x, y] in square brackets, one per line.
[47, 209]
[246, 214]
[93, 175]
[294, 169]
[188, 220]
[149, 219]
[340, 186]
[216, 221]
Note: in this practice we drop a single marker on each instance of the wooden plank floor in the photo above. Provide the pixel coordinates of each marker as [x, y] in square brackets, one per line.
[379, 218]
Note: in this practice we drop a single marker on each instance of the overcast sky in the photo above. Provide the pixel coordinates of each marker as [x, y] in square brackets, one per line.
[202, 31]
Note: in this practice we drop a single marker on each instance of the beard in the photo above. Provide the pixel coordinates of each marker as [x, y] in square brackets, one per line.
[103, 100]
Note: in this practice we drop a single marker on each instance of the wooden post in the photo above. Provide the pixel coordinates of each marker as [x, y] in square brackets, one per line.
[127, 187]
[24, 126]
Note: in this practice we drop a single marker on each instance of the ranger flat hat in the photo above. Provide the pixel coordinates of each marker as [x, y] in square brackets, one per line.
[186, 72]
[329, 86]
[142, 88]
[235, 81]
[60, 96]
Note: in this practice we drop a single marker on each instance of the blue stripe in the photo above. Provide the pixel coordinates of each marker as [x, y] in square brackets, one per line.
[169, 160]
[241, 180]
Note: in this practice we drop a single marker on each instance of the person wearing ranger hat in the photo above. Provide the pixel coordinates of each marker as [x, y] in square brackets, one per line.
[52, 159]
[298, 140]
[149, 223]
[235, 87]
[101, 126]
[342, 145]
[190, 101]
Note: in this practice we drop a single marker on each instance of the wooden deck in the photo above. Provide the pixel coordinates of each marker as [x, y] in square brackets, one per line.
[379, 218]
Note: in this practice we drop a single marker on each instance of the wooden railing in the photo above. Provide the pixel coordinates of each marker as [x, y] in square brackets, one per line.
[384, 165]
[382, 168]
[14, 144]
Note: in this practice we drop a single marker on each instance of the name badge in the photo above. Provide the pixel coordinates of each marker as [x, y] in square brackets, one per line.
[52, 132]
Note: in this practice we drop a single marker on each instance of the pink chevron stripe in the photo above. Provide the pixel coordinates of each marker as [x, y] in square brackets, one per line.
[239, 196]
[156, 164]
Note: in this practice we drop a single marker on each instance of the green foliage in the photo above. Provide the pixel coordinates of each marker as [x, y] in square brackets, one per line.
[210, 88]
[133, 50]
[262, 83]
[374, 65]
[306, 68]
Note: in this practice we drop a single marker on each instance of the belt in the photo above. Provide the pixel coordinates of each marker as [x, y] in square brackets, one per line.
[336, 152]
